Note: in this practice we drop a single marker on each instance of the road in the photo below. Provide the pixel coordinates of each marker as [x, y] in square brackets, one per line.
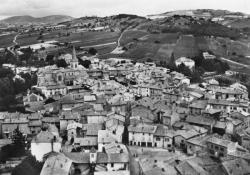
[14, 43]
[134, 165]
[119, 39]
[234, 62]
[15, 38]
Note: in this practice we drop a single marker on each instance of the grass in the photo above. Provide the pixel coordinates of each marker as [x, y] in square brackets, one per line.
[83, 39]
[153, 46]
[6, 40]
[129, 36]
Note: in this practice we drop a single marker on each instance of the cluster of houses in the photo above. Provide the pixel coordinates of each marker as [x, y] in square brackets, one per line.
[84, 120]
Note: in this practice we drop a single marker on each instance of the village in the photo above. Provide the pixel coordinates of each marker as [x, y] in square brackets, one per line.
[124, 117]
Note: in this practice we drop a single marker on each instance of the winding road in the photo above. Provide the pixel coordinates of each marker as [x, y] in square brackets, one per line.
[11, 49]
[15, 38]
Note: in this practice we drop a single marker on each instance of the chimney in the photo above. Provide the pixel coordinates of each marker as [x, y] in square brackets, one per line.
[52, 144]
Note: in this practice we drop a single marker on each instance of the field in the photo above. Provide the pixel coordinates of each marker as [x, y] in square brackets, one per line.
[129, 36]
[6, 40]
[146, 45]
[143, 45]
[79, 39]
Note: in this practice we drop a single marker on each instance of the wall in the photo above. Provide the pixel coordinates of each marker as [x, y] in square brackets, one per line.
[139, 137]
[39, 149]
[116, 166]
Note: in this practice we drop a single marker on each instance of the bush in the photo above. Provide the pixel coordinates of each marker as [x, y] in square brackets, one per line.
[92, 51]
[61, 63]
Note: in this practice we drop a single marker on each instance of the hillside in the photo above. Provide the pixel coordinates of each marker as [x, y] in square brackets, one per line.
[23, 20]
[200, 13]
[117, 22]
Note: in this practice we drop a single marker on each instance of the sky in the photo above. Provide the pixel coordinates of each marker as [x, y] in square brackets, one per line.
[79, 8]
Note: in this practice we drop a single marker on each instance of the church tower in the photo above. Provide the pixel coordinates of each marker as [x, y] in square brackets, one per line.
[74, 62]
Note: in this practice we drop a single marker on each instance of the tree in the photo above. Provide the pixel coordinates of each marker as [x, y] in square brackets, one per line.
[61, 63]
[28, 166]
[149, 60]
[85, 63]
[171, 64]
[92, 51]
[184, 69]
[195, 77]
[18, 140]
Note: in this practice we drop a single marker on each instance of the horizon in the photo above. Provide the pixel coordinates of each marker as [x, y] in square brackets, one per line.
[5, 17]
[79, 8]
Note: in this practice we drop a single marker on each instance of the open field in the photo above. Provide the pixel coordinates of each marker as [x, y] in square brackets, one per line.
[129, 36]
[79, 39]
[6, 40]
[142, 45]
[153, 46]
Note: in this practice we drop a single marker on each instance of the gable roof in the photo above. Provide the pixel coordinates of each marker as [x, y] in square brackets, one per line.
[142, 128]
[44, 137]
[236, 167]
[112, 158]
[57, 165]
[189, 167]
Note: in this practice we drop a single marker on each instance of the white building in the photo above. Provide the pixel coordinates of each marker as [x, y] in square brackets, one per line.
[44, 143]
[206, 55]
[141, 135]
[186, 61]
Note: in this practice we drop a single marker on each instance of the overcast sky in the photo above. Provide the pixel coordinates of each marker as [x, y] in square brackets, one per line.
[78, 8]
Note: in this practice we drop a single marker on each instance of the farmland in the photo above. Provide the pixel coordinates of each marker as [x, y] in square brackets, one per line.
[143, 45]
[6, 40]
[79, 39]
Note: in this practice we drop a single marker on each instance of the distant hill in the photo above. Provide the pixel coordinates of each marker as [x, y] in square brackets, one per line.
[116, 22]
[205, 13]
[22, 20]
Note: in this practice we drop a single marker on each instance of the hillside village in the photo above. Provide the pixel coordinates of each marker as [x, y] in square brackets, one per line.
[125, 95]
[124, 117]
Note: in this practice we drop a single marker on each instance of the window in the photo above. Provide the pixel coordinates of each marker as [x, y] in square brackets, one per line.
[158, 139]
[112, 165]
[216, 147]
[166, 139]
[222, 149]
[59, 78]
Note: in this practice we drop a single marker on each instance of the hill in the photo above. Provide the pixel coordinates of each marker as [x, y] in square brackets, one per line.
[23, 20]
[118, 22]
[201, 13]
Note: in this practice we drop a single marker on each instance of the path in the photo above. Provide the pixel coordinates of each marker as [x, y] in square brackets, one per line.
[234, 62]
[14, 40]
[119, 39]
[11, 48]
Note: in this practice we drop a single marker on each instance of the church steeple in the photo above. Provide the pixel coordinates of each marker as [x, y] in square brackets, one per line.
[74, 61]
[74, 58]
